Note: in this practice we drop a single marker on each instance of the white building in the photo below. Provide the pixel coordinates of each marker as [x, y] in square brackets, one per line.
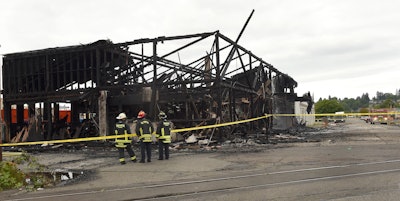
[300, 109]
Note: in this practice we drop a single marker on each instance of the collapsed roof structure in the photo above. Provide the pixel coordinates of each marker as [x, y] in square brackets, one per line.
[196, 79]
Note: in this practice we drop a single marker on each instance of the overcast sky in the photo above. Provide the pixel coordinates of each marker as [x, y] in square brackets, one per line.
[341, 48]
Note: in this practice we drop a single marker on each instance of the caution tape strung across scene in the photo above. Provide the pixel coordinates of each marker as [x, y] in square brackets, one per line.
[189, 129]
[345, 114]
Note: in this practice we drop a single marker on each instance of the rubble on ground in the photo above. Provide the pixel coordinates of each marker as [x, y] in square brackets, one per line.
[300, 134]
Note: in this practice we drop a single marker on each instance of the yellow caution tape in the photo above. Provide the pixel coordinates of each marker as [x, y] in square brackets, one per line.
[128, 135]
[192, 128]
[345, 114]
[67, 140]
[219, 125]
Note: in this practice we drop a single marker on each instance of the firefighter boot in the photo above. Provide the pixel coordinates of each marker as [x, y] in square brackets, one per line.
[133, 159]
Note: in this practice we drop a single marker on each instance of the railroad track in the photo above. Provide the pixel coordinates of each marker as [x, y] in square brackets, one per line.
[245, 182]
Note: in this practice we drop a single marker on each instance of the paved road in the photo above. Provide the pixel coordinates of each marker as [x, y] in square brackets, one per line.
[359, 162]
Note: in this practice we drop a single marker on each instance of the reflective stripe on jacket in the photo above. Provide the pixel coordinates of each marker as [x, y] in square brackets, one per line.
[146, 137]
[167, 139]
[122, 128]
[144, 129]
[164, 131]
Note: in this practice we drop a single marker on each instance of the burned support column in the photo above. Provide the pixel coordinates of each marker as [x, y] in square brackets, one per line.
[20, 114]
[103, 113]
[218, 85]
[231, 105]
[33, 123]
[269, 102]
[98, 75]
[7, 120]
[207, 70]
[56, 112]
[75, 114]
[218, 79]
[31, 110]
[48, 120]
[251, 95]
[152, 111]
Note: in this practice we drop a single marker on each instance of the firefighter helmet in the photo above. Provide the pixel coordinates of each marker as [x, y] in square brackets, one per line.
[121, 116]
[141, 114]
[162, 115]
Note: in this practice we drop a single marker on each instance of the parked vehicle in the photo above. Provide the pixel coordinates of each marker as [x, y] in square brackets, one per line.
[380, 116]
[339, 117]
[367, 119]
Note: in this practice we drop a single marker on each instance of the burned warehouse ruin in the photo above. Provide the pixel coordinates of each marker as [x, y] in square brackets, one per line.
[197, 79]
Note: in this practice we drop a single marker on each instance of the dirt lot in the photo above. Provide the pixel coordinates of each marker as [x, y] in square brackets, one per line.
[96, 165]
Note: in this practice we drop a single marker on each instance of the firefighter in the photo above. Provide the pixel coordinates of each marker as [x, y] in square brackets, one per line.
[123, 143]
[144, 130]
[163, 135]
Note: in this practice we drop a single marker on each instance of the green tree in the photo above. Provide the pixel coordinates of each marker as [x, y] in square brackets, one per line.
[388, 103]
[328, 106]
[350, 105]
[364, 100]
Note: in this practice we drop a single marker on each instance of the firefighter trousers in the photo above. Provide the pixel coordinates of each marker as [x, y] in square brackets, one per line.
[145, 148]
[163, 148]
[129, 150]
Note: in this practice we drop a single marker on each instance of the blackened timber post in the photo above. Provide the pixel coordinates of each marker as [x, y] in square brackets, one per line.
[25, 67]
[231, 104]
[47, 83]
[48, 118]
[64, 73]
[84, 68]
[77, 67]
[269, 120]
[102, 102]
[20, 114]
[218, 83]
[51, 65]
[75, 115]
[7, 120]
[98, 84]
[92, 65]
[56, 112]
[71, 67]
[31, 110]
[152, 111]
[235, 116]
[58, 72]
[251, 95]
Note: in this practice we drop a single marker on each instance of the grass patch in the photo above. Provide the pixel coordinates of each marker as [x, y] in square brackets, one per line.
[32, 177]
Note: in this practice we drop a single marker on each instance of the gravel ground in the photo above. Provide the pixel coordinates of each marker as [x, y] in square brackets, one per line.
[96, 164]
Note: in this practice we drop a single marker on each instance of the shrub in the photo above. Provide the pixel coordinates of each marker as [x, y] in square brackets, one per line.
[10, 176]
[32, 177]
